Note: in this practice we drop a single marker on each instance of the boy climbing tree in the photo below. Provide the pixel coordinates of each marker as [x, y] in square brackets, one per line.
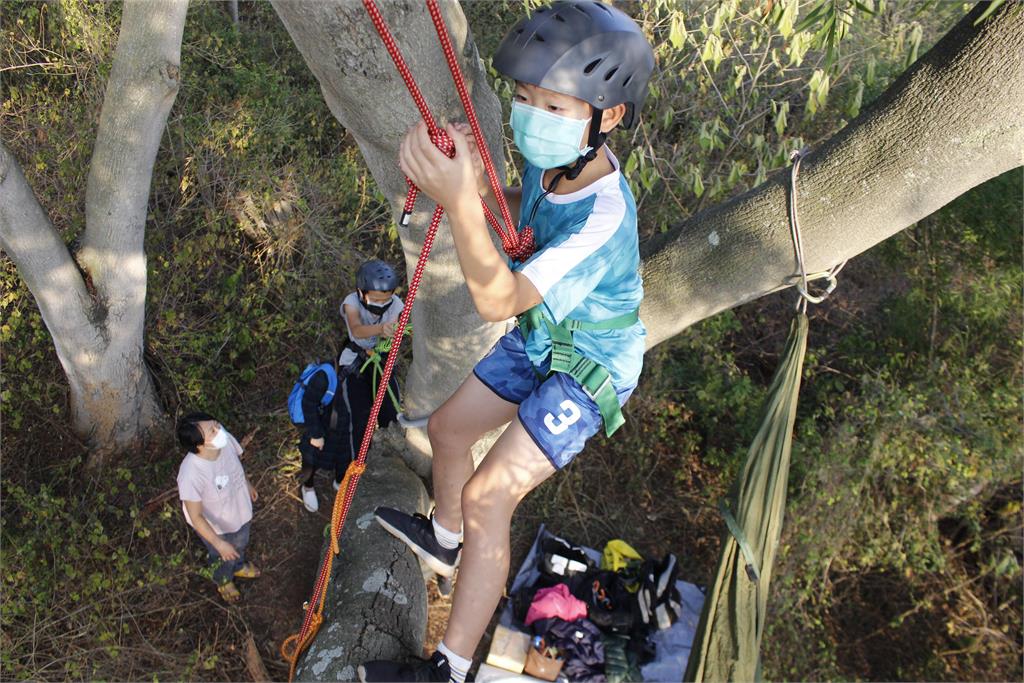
[580, 69]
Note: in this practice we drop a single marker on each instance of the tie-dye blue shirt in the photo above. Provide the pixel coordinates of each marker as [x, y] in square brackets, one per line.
[586, 267]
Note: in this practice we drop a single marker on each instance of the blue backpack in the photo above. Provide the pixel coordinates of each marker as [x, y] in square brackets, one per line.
[295, 398]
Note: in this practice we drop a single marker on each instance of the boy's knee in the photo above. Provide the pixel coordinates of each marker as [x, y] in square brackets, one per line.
[440, 429]
[481, 495]
[435, 427]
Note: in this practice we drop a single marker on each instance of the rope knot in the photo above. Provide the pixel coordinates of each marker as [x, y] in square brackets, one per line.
[443, 142]
[522, 248]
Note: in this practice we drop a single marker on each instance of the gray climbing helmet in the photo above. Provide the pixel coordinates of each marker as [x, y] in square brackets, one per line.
[585, 49]
[376, 276]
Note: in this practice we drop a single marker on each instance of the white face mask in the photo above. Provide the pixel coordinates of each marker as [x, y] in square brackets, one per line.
[220, 440]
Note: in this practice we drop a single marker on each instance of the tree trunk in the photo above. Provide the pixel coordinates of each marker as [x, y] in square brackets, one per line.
[367, 96]
[98, 332]
[952, 121]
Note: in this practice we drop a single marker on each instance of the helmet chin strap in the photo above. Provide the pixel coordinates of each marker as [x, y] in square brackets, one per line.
[595, 140]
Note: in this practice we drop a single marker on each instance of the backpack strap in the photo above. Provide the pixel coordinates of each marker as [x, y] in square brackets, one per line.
[332, 382]
[594, 378]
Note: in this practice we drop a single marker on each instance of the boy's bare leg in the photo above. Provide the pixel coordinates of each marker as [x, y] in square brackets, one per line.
[513, 467]
[472, 411]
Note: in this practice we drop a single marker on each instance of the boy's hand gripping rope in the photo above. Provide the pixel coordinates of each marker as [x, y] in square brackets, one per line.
[518, 246]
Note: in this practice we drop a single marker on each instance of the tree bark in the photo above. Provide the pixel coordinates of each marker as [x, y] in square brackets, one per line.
[951, 122]
[98, 334]
[368, 97]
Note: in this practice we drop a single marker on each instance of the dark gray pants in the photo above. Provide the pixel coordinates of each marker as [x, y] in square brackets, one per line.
[224, 571]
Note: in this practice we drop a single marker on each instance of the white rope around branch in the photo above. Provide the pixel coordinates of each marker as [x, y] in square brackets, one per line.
[798, 247]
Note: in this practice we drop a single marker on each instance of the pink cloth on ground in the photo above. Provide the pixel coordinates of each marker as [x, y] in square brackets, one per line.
[555, 601]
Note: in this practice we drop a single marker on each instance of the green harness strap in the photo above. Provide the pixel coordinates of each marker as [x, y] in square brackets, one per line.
[373, 358]
[594, 378]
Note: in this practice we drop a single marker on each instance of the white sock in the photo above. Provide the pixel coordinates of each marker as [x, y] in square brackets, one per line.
[459, 665]
[449, 540]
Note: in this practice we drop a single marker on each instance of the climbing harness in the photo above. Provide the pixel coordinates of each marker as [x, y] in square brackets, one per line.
[373, 356]
[518, 246]
[728, 641]
[593, 377]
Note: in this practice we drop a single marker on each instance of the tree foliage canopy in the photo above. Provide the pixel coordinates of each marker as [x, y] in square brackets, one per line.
[902, 555]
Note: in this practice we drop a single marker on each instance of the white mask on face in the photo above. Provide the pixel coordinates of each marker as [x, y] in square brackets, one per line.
[220, 440]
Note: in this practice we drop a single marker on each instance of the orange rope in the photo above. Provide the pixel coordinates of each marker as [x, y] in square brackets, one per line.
[292, 647]
[518, 246]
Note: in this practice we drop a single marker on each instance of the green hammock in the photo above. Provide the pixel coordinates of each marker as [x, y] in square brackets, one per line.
[731, 625]
[728, 641]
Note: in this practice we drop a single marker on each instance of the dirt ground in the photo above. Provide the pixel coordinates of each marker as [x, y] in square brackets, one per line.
[286, 539]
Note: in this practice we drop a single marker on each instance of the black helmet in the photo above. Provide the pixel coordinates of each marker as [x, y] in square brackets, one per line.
[376, 276]
[586, 49]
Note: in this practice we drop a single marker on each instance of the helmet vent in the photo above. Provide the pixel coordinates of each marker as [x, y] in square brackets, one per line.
[539, 38]
[559, 17]
[628, 79]
[593, 65]
[608, 76]
[601, 5]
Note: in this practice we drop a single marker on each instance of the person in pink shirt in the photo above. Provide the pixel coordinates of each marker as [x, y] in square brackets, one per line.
[217, 498]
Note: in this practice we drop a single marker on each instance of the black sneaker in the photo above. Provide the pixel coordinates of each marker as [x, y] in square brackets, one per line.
[426, 670]
[417, 532]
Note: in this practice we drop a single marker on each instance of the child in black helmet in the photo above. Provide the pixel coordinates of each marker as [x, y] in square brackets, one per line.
[581, 68]
[334, 434]
[370, 313]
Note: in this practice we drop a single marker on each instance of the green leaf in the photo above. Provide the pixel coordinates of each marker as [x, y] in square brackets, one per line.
[817, 13]
[866, 6]
[797, 47]
[785, 24]
[915, 43]
[632, 162]
[853, 107]
[677, 34]
[780, 118]
[992, 7]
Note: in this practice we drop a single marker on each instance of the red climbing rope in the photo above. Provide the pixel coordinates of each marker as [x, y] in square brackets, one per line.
[518, 246]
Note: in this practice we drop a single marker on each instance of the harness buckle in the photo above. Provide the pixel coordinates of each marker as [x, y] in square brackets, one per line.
[588, 373]
[600, 388]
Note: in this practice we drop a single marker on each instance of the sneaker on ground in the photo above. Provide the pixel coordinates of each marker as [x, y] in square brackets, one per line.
[417, 532]
[435, 669]
[309, 500]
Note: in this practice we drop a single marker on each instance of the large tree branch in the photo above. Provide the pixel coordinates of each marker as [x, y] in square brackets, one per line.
[47, 268]
[952, 121]
[140, 92]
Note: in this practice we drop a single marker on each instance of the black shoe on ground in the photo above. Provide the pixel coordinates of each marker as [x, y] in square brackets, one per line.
[433, 670]
[417, 532]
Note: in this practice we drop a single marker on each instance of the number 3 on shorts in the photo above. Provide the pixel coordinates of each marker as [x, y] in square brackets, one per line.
[569, 415]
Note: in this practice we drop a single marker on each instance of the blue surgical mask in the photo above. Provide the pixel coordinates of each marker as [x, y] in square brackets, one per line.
[546, 140]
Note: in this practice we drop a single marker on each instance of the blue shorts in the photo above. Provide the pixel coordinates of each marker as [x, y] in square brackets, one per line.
[555, 411]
